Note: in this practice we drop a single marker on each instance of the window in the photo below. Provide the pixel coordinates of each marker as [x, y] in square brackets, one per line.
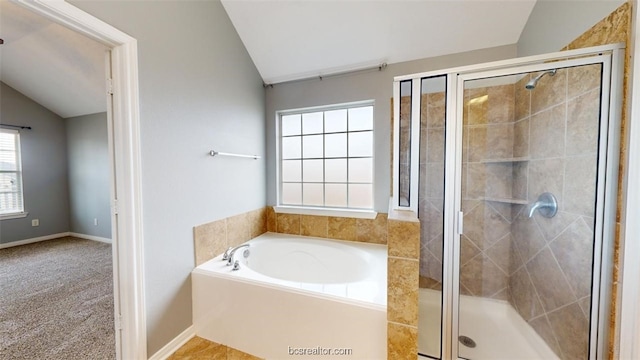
[11, 201]
[326, 157]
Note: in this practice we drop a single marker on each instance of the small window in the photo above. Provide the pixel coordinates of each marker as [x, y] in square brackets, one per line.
[11, 201]
[326, 157]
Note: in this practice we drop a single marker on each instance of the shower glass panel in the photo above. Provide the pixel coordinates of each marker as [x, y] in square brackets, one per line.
[404, 175]
[529, 171]
[430, 213]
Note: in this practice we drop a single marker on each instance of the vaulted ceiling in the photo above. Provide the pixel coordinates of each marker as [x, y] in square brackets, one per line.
[287, 40]
[54, 66]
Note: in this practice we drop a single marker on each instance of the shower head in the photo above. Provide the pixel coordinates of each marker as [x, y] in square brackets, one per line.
[532, 83]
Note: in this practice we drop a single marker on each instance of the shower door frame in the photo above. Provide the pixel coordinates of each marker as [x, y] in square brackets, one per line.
[612, 59]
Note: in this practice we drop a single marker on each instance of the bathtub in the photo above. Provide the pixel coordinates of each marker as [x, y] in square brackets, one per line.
[293, 293]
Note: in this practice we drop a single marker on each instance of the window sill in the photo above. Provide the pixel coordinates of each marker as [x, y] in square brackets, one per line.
[13, 216]
[348, 213]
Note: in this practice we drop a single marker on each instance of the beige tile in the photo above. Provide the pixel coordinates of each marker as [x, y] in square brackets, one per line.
[477, 106]
[542, 327]
[435, 180]
[468, 250]
[574, 251]
[402, 295]
[582, 79]
[435, 144]
[579, 193]
[402, 342]
[499, 253]
[549, 91]
[501, 104]
[549, 281]
[431, 220]
[552, 227]
[289, 223]
[429, 283]
[519, 181]
[314, 225]
[499, 179]
[524, 296]
[372, 230]
[521, 138]
[547, 133]
[341, 228]
[522, 98]
[233, 354]
[527, 237]
[485, 226]
[490, 142]
[404, 239]
[272, 223]
[582, 124]
[482, 277]
[210, 240]
[571, 329]
[585, 305]
[430, 266]
[238, 229]
[435, 246]
[501, 295]
[257, 222]
[610, 30]
[546, 176]
[200, 349]
[436, 109]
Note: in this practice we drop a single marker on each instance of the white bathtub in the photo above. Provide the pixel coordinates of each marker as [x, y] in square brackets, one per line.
[295, 292]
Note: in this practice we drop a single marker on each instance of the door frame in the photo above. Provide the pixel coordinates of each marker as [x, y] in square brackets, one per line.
[124, 145]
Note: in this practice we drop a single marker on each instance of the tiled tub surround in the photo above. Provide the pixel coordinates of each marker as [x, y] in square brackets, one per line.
[267, 307]
[403, 240]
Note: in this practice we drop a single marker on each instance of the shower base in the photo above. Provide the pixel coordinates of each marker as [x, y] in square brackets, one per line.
[494, 325]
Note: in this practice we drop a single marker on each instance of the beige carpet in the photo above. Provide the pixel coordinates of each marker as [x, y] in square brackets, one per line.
[56, 301]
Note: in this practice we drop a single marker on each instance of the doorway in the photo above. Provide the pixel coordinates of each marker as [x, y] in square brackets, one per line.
[124, 154]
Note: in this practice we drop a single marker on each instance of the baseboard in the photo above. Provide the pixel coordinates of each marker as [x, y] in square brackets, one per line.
[91, 237]
[174, 344]
[33, 240]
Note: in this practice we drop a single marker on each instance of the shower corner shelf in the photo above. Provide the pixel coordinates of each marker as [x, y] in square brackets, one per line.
[506, 200]
[505, 160]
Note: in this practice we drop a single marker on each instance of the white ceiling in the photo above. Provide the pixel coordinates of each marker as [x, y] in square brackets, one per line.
[290, 40]
[287, 40]
[54, 66]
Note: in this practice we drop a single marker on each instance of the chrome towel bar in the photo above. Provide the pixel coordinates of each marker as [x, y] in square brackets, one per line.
[217, 153]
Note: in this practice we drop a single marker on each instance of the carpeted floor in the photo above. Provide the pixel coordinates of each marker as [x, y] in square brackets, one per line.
[56, 301]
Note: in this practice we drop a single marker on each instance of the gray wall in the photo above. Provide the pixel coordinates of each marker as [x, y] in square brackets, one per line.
[44, 167]
[89, 173]
[199, 90]
[554, 24]
[376, 85]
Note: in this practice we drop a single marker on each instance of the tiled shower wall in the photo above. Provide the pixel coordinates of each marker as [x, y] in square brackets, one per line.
[432, 124]
[518, 144]
[557, 127]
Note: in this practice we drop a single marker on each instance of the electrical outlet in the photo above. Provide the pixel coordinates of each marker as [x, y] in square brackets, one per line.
[95, 221]
[35, 222]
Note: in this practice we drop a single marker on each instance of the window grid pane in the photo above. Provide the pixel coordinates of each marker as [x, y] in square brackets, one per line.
[336, 161]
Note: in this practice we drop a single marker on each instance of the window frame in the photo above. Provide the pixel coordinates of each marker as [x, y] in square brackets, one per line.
[368, 213]
[20, 212]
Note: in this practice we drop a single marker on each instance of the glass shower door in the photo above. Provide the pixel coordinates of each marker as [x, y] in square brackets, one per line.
[528, 194]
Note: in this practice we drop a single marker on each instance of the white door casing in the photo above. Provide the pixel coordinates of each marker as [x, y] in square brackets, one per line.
[124, 144]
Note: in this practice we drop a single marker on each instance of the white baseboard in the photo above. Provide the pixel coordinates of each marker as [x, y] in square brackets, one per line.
[174, 344]
[33, 240]
[91, 237]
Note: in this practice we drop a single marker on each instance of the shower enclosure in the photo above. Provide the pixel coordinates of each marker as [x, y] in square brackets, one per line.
[512, 169]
